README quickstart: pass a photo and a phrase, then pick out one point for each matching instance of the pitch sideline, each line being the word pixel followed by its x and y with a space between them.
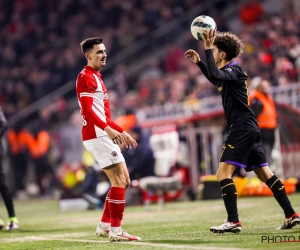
pixel 161 245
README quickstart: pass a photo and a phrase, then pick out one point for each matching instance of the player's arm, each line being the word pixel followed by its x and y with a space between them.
pixel 85 91
pixel 204 70
pixel 115 126
pixel 129 141
pixel 86 103
pixel 213 71
pixel 195 58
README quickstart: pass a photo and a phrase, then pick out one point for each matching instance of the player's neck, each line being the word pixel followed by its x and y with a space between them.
pixel 94 67
pixel 223 63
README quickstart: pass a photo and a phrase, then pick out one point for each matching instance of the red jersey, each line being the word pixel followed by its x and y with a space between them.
pixel 93 102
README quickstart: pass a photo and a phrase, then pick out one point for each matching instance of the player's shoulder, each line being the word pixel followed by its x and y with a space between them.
pixel 86 79
pixel 237 69
pixel 85 75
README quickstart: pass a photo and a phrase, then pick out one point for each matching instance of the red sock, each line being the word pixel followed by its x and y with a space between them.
pixel 116 205
pixel 106 211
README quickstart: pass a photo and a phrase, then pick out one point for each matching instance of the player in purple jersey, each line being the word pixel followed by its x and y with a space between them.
pixel 243 145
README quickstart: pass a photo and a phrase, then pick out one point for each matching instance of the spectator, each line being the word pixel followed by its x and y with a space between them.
pixel 127 121
pixel 263 106
pixel 172 58
pixel 250 12
pixel 38 143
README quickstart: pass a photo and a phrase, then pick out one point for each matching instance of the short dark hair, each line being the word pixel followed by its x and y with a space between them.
pixel 229 43
pixel 89 43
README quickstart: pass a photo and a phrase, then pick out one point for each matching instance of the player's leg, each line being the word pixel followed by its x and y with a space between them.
pixel 291 217
pixel 235 153
pixel 111 160
pixel 260 166
pixel 104 157
pixel 103 227
pixel 13 222
pixel 119 178
pixel 229 195
pixel 228 189
pixel 116 199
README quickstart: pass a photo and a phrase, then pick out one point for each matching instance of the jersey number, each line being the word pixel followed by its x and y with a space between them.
pixel 84 122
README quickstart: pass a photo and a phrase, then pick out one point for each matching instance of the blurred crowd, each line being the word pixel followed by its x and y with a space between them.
pixel 272 48
pixel 40 39
pixel 40 52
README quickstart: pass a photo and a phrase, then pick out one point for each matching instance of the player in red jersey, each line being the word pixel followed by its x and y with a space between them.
pixel 102 137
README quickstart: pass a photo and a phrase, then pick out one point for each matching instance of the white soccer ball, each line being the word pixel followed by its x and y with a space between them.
pixel 201 24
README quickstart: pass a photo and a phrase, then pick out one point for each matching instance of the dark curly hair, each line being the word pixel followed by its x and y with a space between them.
pixel 230 44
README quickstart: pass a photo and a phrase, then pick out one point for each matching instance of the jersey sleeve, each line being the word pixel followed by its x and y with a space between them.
pixel 214 73
pixel 204 70
pixel 115 126
pixel 85 91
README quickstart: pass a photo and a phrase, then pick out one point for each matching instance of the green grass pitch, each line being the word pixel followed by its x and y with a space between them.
pixel 178 225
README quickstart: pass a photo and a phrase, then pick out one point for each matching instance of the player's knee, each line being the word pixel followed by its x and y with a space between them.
pixel 220 176
pixel 263 174
pixel 262 177
pixel 120 181
pixel 128 181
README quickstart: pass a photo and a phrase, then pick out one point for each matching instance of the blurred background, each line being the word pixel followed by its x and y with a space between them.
pixel 158 96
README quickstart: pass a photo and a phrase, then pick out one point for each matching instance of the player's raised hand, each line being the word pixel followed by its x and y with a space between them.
pixel 114 135
pixel 193 55
pixel 209 38
pixel 129 141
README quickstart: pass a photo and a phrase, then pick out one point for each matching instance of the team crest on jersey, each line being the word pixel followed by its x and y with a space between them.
pixel 228 69
pixel 114 154
pixel 100 95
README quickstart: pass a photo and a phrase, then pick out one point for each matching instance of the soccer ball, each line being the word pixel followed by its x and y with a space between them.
pixel 201 24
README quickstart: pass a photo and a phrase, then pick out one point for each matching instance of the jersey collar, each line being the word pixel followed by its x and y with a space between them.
pixel 230 64
pixel 93 70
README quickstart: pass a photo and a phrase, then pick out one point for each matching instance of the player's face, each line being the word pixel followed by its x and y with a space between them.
pixel 97 56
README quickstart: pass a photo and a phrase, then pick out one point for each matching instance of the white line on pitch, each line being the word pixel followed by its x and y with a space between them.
pixel 161 245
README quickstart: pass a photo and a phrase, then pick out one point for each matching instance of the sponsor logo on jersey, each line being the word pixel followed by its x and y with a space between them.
pixel 100 95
